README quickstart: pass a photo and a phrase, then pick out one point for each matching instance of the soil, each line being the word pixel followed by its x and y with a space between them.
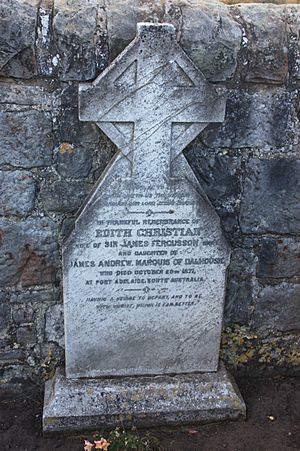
pixel 273 423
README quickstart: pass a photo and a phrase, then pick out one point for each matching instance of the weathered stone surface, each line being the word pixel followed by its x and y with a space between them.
pixel 26 335
pixel 210 37
pixel 261 351
pixel 43 295
pixel 230 223
pixel 79 39
pixel 278 258
pixel 238 301
pixel 240 287
pixel 73 161
pixel 218 174
pixel 17 38
pixel 16 372
pixel 12 356
pixel 145 237
pixel 17 193
pixel 277 307
pixel 264 44
pixel 28 254
pixel 243 262
pixel 219 178
pixel 45 55
pixel 293 26
pixel 23 315
pixel 71 404
pixel 208 34
pixel 63 196
pixel 54 327
pixel 26 138
pixel 136 11
pixel 4 314
pixel 66 227
pixel 270 199
pixel 102 158
pixel 262 119
pixel 14 95
pixel 254 118
pixel 70 130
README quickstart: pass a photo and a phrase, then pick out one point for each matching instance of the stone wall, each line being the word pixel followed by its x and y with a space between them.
pixel 249 166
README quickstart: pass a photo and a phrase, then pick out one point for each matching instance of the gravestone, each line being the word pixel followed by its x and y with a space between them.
pixel 144 267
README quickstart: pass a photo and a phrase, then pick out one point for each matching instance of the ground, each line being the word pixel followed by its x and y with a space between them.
pixel 273 423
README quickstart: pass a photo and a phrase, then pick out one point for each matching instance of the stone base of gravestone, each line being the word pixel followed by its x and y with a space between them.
pixel 144 401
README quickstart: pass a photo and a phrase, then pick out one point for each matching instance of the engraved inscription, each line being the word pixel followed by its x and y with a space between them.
pixel 144 267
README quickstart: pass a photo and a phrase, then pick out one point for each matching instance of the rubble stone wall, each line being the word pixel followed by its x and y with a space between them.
pixel 249 166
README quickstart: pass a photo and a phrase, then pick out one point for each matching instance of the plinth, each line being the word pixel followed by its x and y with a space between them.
pixel 150 401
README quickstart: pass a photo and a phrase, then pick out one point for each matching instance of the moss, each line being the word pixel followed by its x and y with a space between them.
pixel 66 148
pixel 242 347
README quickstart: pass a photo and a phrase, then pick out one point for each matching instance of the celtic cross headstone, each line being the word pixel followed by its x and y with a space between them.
pixel 144 267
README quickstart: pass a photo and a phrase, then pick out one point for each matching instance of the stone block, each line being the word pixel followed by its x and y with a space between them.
pixel 270 198
pixel 264 54
pixel 238 301
pixel 70 130
pixel 210 37
pixel 73 161
pixel 17 193
pixel 217 174
pixel 261 352
pixel 278 258
pixel 79 39
pixel 67 226
pixel 29 254
pixel 12 356
pixel 64 196
pixel 4 314
pixel 25 95
pixel 44 39
pixel 44 295
pixel 23 314
pixel 26 138
pixel 4 341
pixel 26 335
pixel 277 308
pixel 14 372
pixel 54 325
pixel 136 11
pixel 260 117
pixel 230 224
pixel 293 28
pixel 106 151
pixel 242 262
pixel 74 404
pixel 17 38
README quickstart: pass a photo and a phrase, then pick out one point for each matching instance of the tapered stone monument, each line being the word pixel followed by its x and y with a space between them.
pixel 144 267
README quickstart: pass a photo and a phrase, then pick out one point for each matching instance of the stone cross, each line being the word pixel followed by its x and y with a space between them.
pixel 152 99
pixel 144 267
pixel 146 259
